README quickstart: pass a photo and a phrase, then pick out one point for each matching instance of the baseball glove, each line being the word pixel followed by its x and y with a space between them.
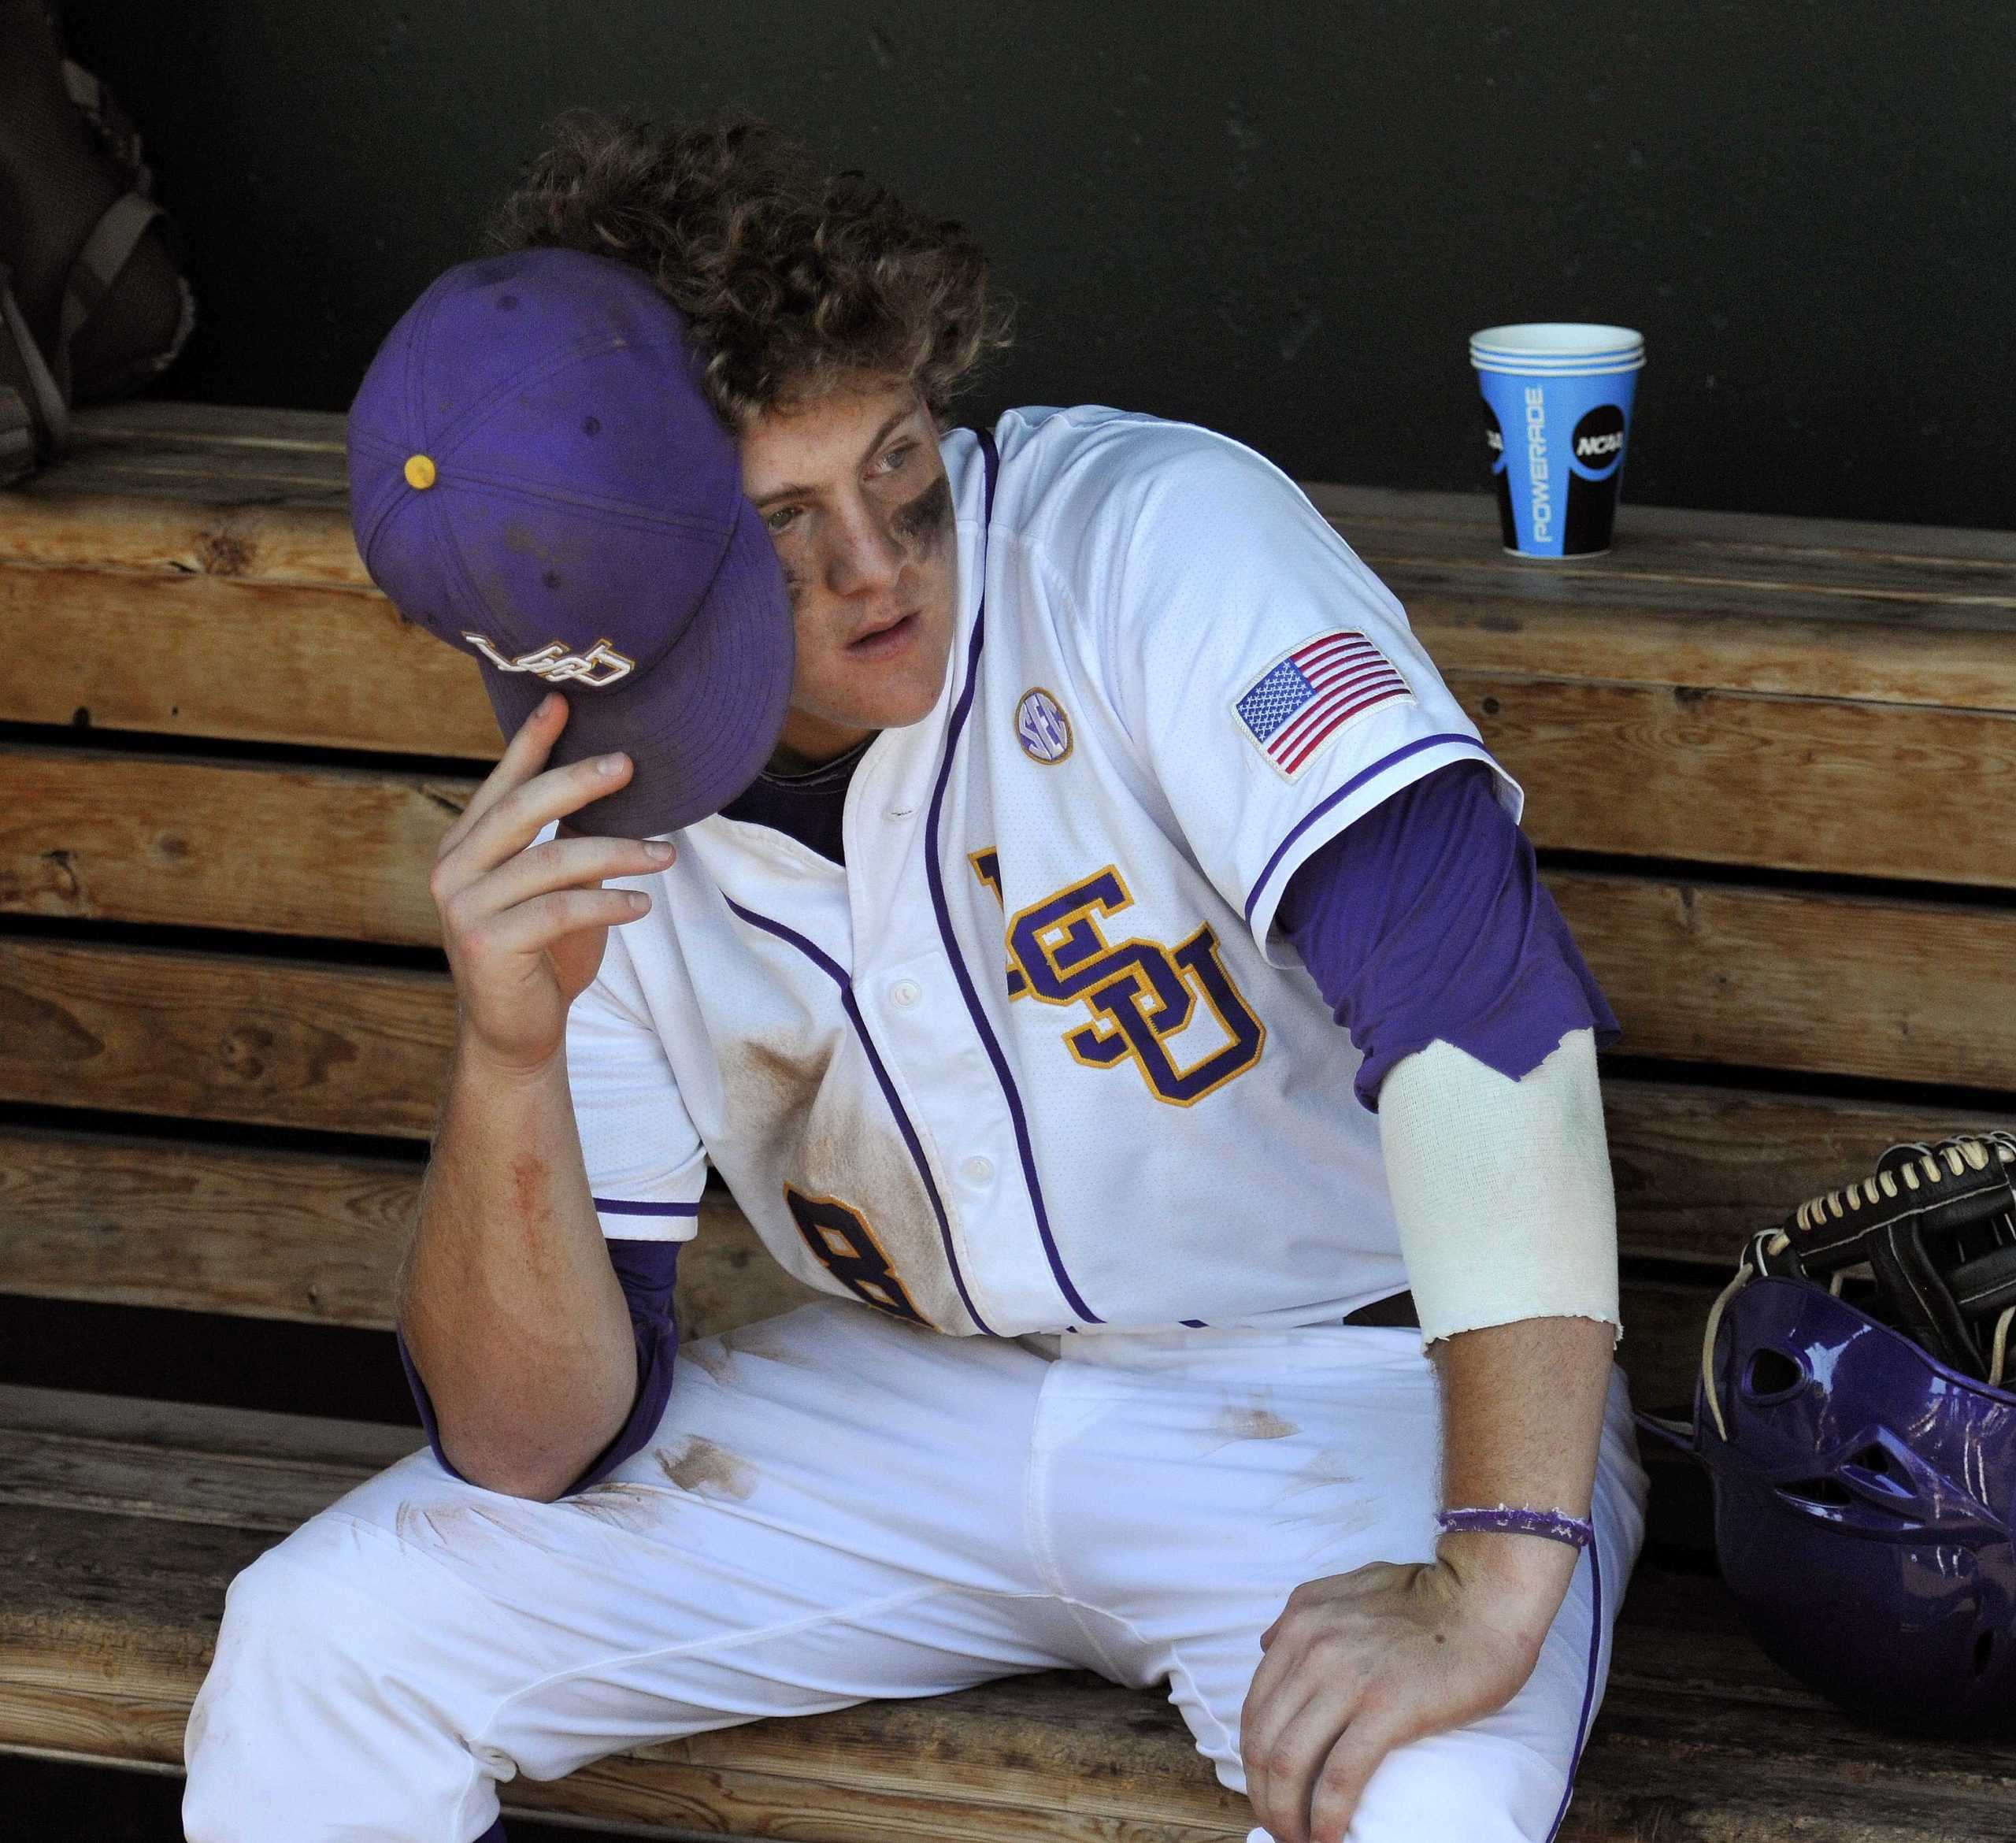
pixel 1925 1244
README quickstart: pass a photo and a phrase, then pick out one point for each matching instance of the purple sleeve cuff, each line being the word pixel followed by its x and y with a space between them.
pixel 1427 918
pixel 646 1270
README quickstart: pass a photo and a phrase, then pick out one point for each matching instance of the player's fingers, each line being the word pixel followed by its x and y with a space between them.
pixel 515 818
pixel 1282 1763
pixel 1341 1782
pixel 524 756
pixel 531 927
pixel 1280 1652
pixel 558 863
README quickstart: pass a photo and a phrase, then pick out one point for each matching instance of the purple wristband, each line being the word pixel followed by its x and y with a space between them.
pixel 1557 1525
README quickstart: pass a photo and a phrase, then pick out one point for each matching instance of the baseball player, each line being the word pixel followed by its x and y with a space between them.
pixel 1037 870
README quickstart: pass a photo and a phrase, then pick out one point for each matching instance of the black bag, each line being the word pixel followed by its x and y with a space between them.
pixel 94 299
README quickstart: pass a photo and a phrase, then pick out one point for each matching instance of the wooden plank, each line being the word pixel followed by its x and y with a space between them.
pixel 1660 1351
pixel 1693 1773
pixel 159 1470
pixel 308 1237
pixel 189 1429
pixel 219 1036
pixel 69 1472
pixel 109 1619
pixel 164 522
pixel 1699 1736
pixel 1855 789
pixel 1861 654
pixel 96 834
pixel 1860 789
pixel 1840 985
pixel 113 441
pixel 1669 532
pixel 664 1798
pixel 204 655
pixel 1703 973
pixel 218 456
pixel 321 659
pixel 1825 608
pixel 315 1237
pixel 1699 1169
pixel 215 426
pixel 120 1220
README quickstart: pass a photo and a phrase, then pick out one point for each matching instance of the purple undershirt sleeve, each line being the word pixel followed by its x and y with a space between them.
pixel 1427 918
pixel 646 1270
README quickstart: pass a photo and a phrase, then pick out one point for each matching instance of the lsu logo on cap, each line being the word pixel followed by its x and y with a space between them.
pixel 554 663
pixel 1042 727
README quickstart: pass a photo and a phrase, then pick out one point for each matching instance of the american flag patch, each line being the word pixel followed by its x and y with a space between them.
pixel 1300 702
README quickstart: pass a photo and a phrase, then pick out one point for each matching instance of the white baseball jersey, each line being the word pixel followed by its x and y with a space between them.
pixel 1036 1058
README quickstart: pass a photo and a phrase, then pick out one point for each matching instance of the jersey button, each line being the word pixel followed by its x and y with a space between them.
pixel 978 1170
pixel 905 992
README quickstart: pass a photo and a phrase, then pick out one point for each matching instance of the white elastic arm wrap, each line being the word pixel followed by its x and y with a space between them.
pixel 1502 1188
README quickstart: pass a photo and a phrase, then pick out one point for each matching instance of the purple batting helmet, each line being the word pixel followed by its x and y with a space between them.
pixel 1861 1445
pixel 537 477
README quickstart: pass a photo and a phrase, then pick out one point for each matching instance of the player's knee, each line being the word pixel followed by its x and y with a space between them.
pixel 318 1698
pixel 285 1634
pixel 1484 1788
pixel 312 1630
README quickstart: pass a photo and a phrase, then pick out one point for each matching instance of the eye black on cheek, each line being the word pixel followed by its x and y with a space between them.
pixel 928 517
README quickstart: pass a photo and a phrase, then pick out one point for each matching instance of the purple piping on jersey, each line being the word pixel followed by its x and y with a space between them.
pixel 610 1207
pixel 1350 787
pixel 838 973
pixel 1589 1683
pixel 936 878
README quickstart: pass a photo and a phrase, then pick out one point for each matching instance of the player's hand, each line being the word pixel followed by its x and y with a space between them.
pixel 525 930
pixel 1359 1664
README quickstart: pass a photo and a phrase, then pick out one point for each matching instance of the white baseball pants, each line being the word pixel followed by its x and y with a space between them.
pixel 838 1506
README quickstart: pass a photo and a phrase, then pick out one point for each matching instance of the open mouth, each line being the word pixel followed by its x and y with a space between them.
pixel 888 639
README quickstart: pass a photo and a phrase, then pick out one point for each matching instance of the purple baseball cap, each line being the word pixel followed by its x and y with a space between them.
pixel 536 476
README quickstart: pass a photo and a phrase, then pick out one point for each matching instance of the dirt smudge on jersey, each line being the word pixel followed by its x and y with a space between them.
pixel 474 1532
pixel 713 1356
pixel 636 1508
pixel 1327 1497
pixel 774 1082
pixel 761 1340
pixel 836 1140
pixel 1256 1422
pixel 699 1463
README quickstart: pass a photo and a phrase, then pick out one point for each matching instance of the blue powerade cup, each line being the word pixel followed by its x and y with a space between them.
pixel 1558 409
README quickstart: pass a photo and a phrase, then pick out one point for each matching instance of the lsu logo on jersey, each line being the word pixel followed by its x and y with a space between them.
pixel 1151 1006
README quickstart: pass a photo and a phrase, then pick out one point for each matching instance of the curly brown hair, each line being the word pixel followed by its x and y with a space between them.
pixel 793 282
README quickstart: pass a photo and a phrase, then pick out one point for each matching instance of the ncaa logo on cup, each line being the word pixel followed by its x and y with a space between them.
pixel 1598 445
pixel 1042 727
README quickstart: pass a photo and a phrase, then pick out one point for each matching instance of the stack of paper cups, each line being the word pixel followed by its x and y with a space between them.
pixel 1558 407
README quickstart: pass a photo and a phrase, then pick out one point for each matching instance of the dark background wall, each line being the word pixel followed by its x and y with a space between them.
pixel 1281 219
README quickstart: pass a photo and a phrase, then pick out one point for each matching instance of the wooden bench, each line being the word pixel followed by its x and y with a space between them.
pixel 1771 768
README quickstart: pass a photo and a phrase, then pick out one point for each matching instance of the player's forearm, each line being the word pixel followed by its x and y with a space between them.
pixel 509 1308
pixel 1522 1415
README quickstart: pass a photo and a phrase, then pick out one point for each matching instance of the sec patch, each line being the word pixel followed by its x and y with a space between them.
pixel 1042 727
